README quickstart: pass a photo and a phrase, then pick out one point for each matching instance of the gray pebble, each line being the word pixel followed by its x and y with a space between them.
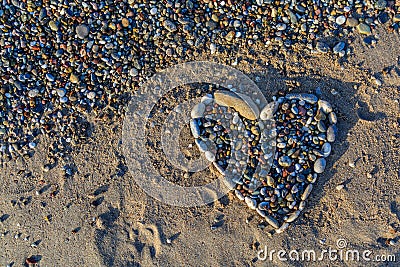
pixel 251 202
pixel 339 47
pixel 293 216
pixel 331 133
pixel 319 165
pixel 326 149
pixel 50 77
pixel 272 221
pixel 340 20
pixel 284 161
pixel 209 156
pixel 282 228
pixel 169 25
pixel 307 192
pixel 82 31
pixel 332 117
pixel 310 98
pixel 198 110
pixel 195 129
pixel 201 145
pixel 325 106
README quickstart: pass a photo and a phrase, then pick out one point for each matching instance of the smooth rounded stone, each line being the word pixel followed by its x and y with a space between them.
pixel 325 106
pixel 73 78
pixel 339 47
pixel 262 213
pixel 53 25
pixel 169 25
pixel 133 72
pixel 302 205
pixel 125 22
pixel 213 48
pixel 64 99
pixel 194 128
pixel 380 4
pixel 332 118
pixel 153 11
pixel 319 165
pixel 61 92
pixel 207 100
pixel 364 29
pixel 310 98
pixel 352 22
pixel 201 145
pixel 229 37
pixel 326 149
pixel 293 216
pixel 209 156
pixel 239 195
pixel 340 20
pixel 267 113
pixel 50 77
pixel 284 161
pixel 32 145
pixel 82 31
pixel 235 119
pixel 251 203
pixel 91 95
pixel 331 133
pixel 307 192
pixel 33 93
pixel 271 221
pixel 321 127
pixel 222 172
pixel 198 110
pixel 322 47
pixel 243 104
pixel 281 26
pixel 282 228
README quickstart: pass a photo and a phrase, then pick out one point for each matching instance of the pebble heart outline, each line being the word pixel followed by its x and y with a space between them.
pixel 279 191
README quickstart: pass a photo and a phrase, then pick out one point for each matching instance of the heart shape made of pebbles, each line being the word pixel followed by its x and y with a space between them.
pixel 270 156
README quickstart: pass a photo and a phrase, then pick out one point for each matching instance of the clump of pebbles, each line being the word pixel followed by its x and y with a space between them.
pixel 271 161
pixel 60 61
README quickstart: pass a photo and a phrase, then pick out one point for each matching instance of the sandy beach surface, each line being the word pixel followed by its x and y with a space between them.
pixel 99 216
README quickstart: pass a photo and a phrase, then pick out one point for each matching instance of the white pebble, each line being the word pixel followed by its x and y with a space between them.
pixel 153 11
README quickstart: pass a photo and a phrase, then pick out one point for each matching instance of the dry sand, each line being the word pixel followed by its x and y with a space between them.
pixel 100 217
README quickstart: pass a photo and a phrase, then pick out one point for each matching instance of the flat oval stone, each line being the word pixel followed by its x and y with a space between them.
pixel 319 165
pixel 325 106
pixel 364 29
pixel 293 216
pixel 195 129
pixel 267 113
pixel 272 221
pixel 340 20
pixel 82 31
pixel 331 133
pixel 251 203
pixel 201 145
pixel 310 98
pixel 307 192
pixel 198 111
pixel 332 117
pixel 326 149
pixel 209 156
pixel 243 104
